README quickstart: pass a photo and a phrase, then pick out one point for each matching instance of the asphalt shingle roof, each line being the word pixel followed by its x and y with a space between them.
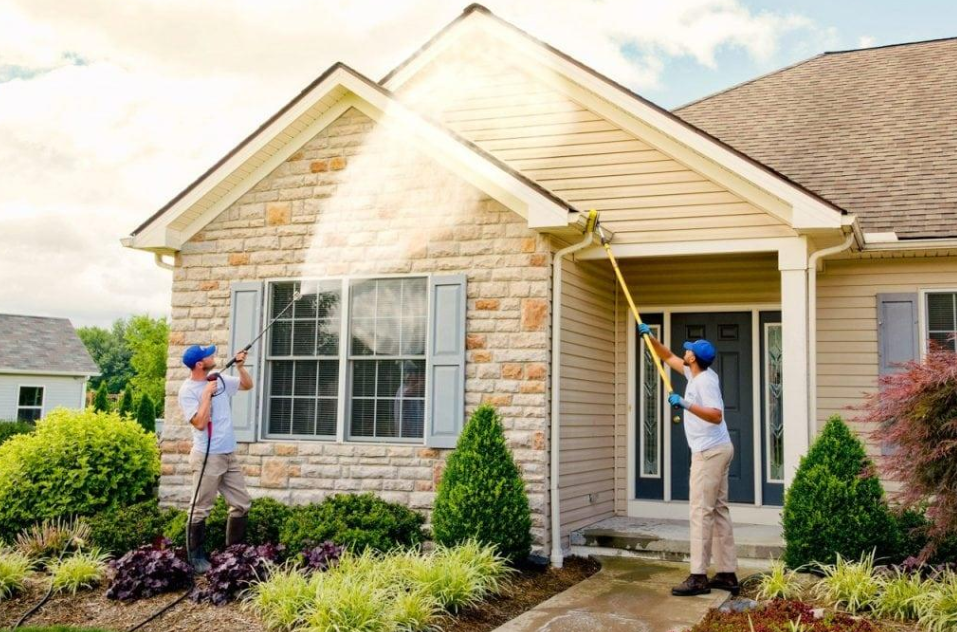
pixel 872 130
pixel 36 343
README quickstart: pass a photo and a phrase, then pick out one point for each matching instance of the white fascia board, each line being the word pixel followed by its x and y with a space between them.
pixel 808 213
pixel 15 371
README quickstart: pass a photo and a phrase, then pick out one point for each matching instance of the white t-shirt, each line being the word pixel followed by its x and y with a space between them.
pixel 190 395
pixel 704 390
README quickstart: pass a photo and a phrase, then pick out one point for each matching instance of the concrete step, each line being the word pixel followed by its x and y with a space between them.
pixel 670 540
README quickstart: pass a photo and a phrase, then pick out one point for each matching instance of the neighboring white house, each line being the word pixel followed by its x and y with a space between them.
pixel 43 364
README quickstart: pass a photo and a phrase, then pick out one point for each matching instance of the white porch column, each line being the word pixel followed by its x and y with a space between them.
pixel 792 262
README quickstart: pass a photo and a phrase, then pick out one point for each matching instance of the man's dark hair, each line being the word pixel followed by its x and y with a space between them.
pixel 701 363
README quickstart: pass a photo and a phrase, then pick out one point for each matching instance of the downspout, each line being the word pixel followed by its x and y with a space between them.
pixel 158 260
pixel 812 324
pixel 557 558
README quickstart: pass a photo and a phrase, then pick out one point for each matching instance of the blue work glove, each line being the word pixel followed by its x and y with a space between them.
pixel 677 400
pixel 644 330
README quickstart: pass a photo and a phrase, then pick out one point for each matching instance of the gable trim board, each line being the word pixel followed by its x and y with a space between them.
pixel 337 90
pixel 804 210
pixel 14 371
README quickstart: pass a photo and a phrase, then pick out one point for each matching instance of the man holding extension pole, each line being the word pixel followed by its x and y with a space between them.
pixel 204 400
pixel 711 455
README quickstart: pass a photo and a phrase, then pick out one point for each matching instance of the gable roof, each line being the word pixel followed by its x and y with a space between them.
pixel 874 130
pixel 40 345
pixel 318 105
pixel 811 210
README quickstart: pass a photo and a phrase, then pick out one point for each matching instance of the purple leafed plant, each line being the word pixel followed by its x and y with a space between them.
pixel 234 569
pixel 323 557
pixel 147 571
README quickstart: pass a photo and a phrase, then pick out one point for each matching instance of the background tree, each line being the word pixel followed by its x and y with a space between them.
pixel 126 402
pixel 111 353
pixel 146 414
pixel 101 400
pixel 147 339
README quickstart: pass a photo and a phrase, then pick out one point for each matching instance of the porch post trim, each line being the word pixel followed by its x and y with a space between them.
pixel 792 263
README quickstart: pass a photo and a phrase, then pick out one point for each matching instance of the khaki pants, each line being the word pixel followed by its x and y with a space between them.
pixel 711 530
pixel 224 475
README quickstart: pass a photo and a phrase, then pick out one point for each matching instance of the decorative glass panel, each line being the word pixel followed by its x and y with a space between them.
pixel 303 363
pixel 388 319
pixel 650 412
pixel 774 402
pixel 942 318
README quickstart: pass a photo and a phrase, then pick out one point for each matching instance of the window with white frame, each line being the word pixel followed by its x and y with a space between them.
pixel 942 319
pixel 30 403
pixel 650 411
pixel 382 362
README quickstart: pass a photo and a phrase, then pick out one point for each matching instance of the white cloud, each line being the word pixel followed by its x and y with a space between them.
pixel 113 107
pixel 866 41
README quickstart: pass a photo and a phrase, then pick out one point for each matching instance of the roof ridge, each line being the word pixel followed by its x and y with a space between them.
pixel 898 44
pixel 35 316
pixel 748 81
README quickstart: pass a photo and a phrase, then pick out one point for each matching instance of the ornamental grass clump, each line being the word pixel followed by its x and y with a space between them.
pixel 899 597
pixel 281 600
pixel 83 569
pixel 349 602
pixel 51 539
pixel 915 410
pixel 779 583
pixel 848 584
pixel 937 607
pixel 482 494
pixel 14 568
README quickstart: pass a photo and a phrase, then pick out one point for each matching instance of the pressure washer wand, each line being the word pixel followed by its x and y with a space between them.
pixel 606 243
pixel 212 377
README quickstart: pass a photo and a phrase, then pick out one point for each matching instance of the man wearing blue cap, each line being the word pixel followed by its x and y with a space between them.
pixel 711 455
pixel 205 405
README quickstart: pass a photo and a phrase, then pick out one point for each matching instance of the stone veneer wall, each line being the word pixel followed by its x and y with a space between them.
pixel 357 194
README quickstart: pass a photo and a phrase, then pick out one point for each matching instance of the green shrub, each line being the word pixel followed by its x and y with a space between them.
pixel 14 568
pixel 126 402
pixel 101 399
pixel 482 494
pixel 836 504
pixel 10 428
pixel 146 414
pixel 266 519
pixel 83 569
pixel 357 521
pixel 123 529
pixel 912 527
pixel 76 463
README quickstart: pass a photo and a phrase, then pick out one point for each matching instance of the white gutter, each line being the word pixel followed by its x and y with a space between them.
pixel 557 557
pixel 812 324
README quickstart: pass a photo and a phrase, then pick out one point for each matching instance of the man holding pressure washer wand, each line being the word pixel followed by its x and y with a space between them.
pixel 205 401
pixel 711 455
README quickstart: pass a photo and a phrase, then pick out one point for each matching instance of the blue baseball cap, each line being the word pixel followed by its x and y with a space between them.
pixel 197 353
pixel 702 349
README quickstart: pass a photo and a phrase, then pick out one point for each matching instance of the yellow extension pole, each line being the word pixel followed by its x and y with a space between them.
pixel 634 310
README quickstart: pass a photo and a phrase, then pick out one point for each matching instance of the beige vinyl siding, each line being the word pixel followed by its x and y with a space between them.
pixel 847 355
pixel 587 451
pixel 738 282
pixel 583 158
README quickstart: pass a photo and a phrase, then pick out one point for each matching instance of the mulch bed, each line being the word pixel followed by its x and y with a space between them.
pixel 531 586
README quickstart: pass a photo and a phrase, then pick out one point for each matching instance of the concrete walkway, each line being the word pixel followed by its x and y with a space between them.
pixel 626 595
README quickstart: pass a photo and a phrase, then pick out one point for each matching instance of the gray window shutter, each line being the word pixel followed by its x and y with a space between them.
pixel 897 331
pixel 897 337
pixel 245 320
pixel 446 401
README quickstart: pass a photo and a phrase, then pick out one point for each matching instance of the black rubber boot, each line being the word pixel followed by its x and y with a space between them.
pixel 197 555
pixel 236 530
pixel 694 585
pixel 726 581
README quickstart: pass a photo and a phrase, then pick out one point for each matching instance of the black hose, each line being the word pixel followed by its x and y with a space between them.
pixel 189 522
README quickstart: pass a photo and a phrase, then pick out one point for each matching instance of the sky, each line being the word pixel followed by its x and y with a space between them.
pixel 108 109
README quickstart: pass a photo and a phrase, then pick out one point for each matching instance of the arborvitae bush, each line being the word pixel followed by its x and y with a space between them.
pixel 126 402
pixel 146 414
pixel 101 400
pixel 482 494
pixel 836 504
